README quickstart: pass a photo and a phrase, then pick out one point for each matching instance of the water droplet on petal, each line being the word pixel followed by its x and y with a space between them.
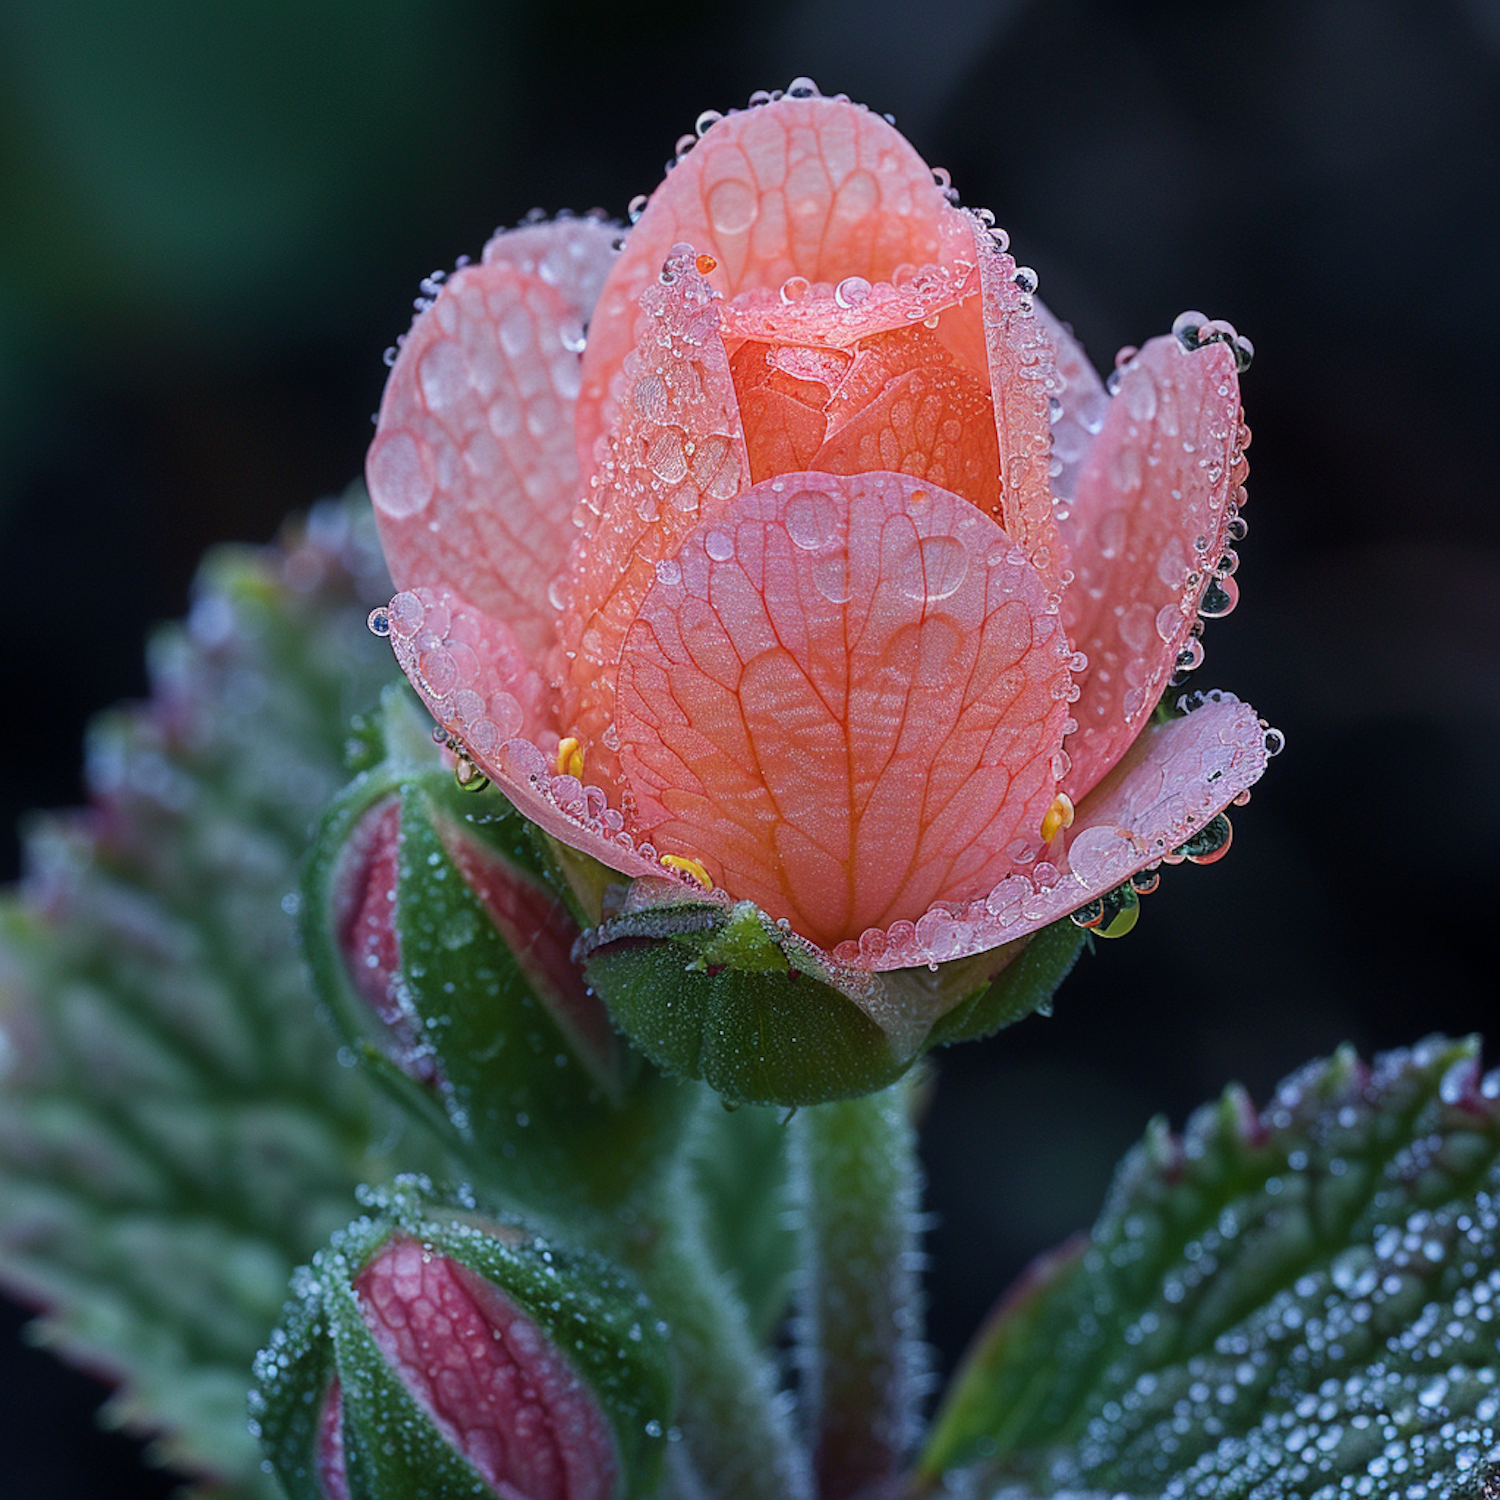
pixel 1219 598
pixel 379 621
pixel 637 207
pixel 852 291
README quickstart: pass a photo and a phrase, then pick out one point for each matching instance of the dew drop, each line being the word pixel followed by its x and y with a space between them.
pixel 1275 742
pixel 1026 280
pixel 637 207
pixel 852 291
pixel 1187 328
pixel 830 576
pixel 719 545
pixel 706 121
pixel 668 570
pixel 1219 598
pixel 794 289
pixel 379 621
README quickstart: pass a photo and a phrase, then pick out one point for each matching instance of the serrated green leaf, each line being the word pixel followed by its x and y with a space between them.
pixel 1297 1302
pixel 175 1132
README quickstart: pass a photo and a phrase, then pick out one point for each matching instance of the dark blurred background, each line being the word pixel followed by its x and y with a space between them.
pixel 213 218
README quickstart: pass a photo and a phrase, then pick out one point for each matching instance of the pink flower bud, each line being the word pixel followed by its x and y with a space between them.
pixel 364 915
pixel 491 1381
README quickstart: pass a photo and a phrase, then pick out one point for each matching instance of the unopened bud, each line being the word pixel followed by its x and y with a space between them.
pixel 442 939
pixel 433 1353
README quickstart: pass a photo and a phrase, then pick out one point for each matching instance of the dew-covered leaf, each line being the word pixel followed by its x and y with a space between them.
pixel 175 1132
pixel 1294 1302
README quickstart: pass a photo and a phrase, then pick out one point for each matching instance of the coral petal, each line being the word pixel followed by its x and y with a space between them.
pixel 677 450
pixel 846 701
pixel 573 256
pixel 491 1381
pixel 473 471
pixel 479 686
pixel 1171 782
pixel 1023 375
pixel 1144 530
pixel 908 405
pixel 819 188
pixel 1083 402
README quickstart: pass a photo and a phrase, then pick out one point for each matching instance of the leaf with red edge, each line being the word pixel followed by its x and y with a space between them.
pixel 1294 1301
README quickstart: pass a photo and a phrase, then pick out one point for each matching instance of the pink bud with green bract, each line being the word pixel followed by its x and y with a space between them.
pixel 821 571
pixel 435 1352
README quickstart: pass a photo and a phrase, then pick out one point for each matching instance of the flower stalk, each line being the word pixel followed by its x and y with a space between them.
pixel 857 1193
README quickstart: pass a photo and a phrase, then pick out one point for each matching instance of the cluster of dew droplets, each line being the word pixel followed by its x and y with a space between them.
pixel 1193 331
pixel 1357 1364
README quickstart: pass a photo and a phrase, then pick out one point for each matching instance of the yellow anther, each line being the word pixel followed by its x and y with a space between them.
pixel 569 757
pixel 689 867
pixel 1058 816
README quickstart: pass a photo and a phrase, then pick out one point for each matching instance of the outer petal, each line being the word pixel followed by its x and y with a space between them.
pixel 677 450
pixel 814 187
pixel 1079 414
pixel 479 686
pixel 573 256
pixel 845 697
pixel 473 470
pixel 1173 780
pixel 1145 528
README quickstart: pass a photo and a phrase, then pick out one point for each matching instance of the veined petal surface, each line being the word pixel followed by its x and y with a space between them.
pixel 845 697
pixel 1175 778
pixel 677 449
pixel 479 685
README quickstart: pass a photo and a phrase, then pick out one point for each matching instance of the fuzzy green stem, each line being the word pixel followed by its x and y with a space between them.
pixel 856 1186
pixel 736 1424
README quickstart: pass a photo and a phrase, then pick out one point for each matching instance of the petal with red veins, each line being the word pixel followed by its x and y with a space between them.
pixel 1082 403
pixel 908 405
pixel 1023 375
pixel 1171 783
pixel 846 701
pixel 677 451
pixel 469 671
pixel 489 1378
pixel 473 471
pixel 573 256
pixel 1144 530
pixel 818 188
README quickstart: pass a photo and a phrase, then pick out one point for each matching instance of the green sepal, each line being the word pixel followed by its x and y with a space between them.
pixel 1025 985
pixel 589 1309
pixel 559 1118
pixel 723 993
pixel 1293 1301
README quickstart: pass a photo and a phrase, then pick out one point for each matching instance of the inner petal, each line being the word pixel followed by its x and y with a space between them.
pixel 897 399
pixel 846 701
